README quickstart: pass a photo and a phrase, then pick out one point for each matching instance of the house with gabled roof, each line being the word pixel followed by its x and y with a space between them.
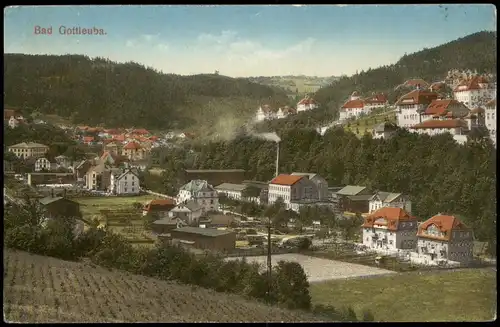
pixel 133 151
pixel 160 207
pixel 388 199
pixel 125 183
pixel 203 193
pixel 284 112
pixel 475 91
pixel 189 212
pixel 231 191
pixel 354 198
pixel 444 239
pixel 390 229
pixel 291 188
pixel 306 104
pixel 355 105
pixel 410 106
pixel 320 182
pixel 265 112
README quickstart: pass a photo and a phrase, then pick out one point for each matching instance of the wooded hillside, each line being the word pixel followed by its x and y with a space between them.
pixel 98 91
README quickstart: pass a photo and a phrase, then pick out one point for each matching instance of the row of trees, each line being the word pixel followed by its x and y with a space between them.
pixel 26 229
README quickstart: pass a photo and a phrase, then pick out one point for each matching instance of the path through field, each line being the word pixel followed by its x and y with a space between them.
pixel 318 269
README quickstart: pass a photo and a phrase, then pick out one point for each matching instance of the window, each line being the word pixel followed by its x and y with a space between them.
pixel 211 201
pixel 125 189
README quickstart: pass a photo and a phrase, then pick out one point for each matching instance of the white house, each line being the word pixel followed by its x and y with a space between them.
pixel 306 104
pixel 390 229
pixel 410 106
pixel 189 212
pixel 42 164
pixel 387 199
pixel 126 183
pixel 475 92
pixel 444 238
pixel 491 121
pixel 265 112
pixel 375 101
pixel 352 109
pixel 232 191
pixel 291 188
pixel 356 106
pixel 438 126
pixel 203 193
pixel 285 112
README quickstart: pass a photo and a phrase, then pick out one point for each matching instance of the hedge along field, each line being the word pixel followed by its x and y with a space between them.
pixel 44 290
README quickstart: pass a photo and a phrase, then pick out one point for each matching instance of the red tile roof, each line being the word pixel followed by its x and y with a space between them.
pixel 437 86
pixel 88 139
pixel 132 146
pixel 391 215
pixel 285 179
pixel 471 84
pixel 7 113
pixel 444 223
pixel 439 107
pixel 120 137
pixel 353 104
pixel 376 99
pixel 417 97
pixel 160 205
pixel 447 123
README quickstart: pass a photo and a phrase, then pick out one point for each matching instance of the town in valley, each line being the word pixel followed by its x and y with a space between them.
pixel 239 187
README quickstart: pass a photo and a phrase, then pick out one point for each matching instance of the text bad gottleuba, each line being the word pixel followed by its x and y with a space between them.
pixel 66 30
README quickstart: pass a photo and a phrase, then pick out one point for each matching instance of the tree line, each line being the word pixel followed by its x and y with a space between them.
pixel 437 174
pixel 26 229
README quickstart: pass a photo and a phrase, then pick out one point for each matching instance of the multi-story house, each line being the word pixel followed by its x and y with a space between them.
pixel 159 207
pixel 285 112
pixel 475 118
pixel 410 106
pixel 231 191
pixel 390 229
pixel 475 92
pixel 306 104
pixel 133 151
pixel 44 164
pixel 491 121
pixel 63 161
pixel 189 212
pixel 265 112
pixel 97 178
pixel 320 182
pixel 444 108
pixel 291 188
pixel 29 149
pixel 125 183
pixel 444 238
pixel 387 199
pixel 113 147
pixel 203 193
pixel 356 106
pixel 456 127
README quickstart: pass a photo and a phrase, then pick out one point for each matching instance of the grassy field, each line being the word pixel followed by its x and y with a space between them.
pixel 41 289
pixel 92 206
pixel 367 123
pixel 461 295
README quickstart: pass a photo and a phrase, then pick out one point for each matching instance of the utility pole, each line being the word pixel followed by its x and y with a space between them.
pixel 269 263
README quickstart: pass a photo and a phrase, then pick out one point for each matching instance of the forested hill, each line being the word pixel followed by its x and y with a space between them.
pixel 475 52
pixel 94 91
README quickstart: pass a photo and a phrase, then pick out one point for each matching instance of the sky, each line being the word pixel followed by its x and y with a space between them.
pixel 239 41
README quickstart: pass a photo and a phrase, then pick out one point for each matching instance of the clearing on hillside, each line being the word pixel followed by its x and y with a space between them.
pixel 91 206
pixel 40 289
pixel 459 295
pixel 318 269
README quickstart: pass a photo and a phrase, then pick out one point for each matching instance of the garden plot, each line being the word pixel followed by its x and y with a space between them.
pixel 318 269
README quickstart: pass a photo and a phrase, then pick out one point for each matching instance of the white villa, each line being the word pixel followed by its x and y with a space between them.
pixel 189 212
pixel 291 188
pixel 387 199
pixel 390 229
pixel 265 112
pixel 203 193
pixel 285 112
pixel 306 104
pixel 356 106
pixel 442 239
pixel 125 183
pixel 411 105
pixel 475 92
